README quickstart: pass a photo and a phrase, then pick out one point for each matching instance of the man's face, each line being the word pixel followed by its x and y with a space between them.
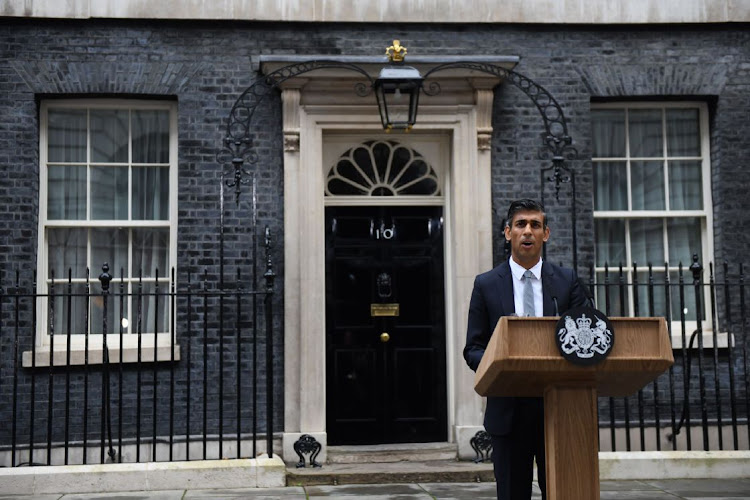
pixel 527 235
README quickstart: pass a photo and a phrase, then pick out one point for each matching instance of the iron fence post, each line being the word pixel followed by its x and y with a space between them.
pixel 697 269
pixel 269 277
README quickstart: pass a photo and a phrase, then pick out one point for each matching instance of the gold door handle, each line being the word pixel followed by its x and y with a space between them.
pixel 384 337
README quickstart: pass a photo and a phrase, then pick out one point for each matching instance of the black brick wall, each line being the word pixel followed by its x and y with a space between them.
pixel 205 66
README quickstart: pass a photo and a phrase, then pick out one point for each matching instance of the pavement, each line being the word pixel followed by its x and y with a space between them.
pixel 674 489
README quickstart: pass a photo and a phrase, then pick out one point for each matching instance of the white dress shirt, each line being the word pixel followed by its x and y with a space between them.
pixel 536 285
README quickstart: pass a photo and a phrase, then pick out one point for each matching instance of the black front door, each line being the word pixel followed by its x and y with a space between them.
pixel 385 325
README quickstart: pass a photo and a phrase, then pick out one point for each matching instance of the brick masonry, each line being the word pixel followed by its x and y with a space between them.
pixel 205 66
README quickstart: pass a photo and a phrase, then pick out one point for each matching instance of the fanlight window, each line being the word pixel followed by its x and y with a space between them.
pixel 382 168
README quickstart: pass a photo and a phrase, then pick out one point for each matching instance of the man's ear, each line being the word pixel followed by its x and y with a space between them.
pixel 546 233
pixel 507 233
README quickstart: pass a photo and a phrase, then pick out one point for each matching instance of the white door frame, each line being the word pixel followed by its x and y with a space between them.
pixel 468 244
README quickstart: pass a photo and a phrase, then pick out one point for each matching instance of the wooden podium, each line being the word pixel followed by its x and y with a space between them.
pixel 522 359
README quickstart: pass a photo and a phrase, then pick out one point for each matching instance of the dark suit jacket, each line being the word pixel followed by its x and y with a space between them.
pixel 492 298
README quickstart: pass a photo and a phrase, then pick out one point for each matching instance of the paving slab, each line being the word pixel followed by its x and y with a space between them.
pixel 369 492
pixel 626 485
pixel 676 489
pixel 288 493
pixel 130 495
pixel 30 497
pixel 637 495
pixel 461 491
pixel 704 488
pixel 631 490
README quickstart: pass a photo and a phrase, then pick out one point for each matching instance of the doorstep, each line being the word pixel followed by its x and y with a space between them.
pixel 432 471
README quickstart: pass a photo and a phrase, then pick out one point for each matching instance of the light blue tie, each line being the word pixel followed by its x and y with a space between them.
pixel 528 294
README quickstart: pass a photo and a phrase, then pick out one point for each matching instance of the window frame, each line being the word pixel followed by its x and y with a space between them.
pixel 149 340
pixel 705 214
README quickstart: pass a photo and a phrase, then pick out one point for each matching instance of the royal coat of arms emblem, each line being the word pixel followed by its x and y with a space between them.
pixel 584 336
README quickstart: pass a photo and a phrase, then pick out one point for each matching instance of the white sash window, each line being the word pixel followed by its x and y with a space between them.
pixel 107 194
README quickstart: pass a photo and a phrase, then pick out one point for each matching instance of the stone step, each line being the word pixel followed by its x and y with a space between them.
pixel 432 471
pixel 384 453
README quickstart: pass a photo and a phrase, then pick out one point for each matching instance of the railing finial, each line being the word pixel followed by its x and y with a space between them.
pixel 696 268
pixel 105 277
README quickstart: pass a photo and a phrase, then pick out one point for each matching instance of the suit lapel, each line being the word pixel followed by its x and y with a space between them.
pixel 548 305
pixel 505 288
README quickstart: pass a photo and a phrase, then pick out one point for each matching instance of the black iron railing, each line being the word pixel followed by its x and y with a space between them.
pixel 704 397
pixel 174 371
pixel 196 383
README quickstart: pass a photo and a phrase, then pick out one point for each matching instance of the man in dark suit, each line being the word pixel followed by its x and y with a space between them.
pixel 521 286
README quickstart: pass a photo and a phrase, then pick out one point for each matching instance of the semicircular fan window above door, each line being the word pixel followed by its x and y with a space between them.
pixel 382 168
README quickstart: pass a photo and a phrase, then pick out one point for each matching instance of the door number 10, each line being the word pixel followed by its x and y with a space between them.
pixel 383 232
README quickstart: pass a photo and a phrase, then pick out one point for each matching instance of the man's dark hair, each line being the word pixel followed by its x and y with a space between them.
pixel 524 204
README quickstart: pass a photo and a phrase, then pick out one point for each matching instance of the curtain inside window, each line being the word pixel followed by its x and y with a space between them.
pixel 685 185
pixel 610 242
pixel 109 136
pixel 151 259
pixel 645 133
pixel 150 136
pixel 66 136
pixel 150 193
pixel 66 192
pixel 124 175
pixel 608 133
pixel 610 186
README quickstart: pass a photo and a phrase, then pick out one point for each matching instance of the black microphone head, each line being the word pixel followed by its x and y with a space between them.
pixel 586 291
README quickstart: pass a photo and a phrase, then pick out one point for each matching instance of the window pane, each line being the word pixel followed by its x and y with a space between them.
pixel 684 237
pixel 150 252
pixel 109 135
pixel 683 132
pixel 648 292
pixel 109 245
pixel 610 242
pixel 67 311
pixel 109 193
pixel 688 305
pixel 645 130
pixel 381 154
pixel 610 296
pixel 647 241
pixel 67 250
pixel 150 193
pixel 149 308
pixel 66 136
pixel 610 186
pixel 685 188
pixel 647 185
pixel 66 193
pixel 113 311
pixel 608 133
pixel 150 136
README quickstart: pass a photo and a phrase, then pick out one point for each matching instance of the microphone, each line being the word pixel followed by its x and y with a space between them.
pixel 586 292
pixel 554 297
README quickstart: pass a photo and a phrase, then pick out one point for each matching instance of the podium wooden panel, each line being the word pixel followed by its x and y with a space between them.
pixel 522 359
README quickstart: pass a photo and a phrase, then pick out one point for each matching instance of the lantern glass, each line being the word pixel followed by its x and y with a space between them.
pixel 397 90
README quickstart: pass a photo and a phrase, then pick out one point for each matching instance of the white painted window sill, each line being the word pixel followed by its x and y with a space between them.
pixel 95 356
pixel 722 340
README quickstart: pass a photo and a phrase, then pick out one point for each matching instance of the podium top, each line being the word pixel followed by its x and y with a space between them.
pixel 522 358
